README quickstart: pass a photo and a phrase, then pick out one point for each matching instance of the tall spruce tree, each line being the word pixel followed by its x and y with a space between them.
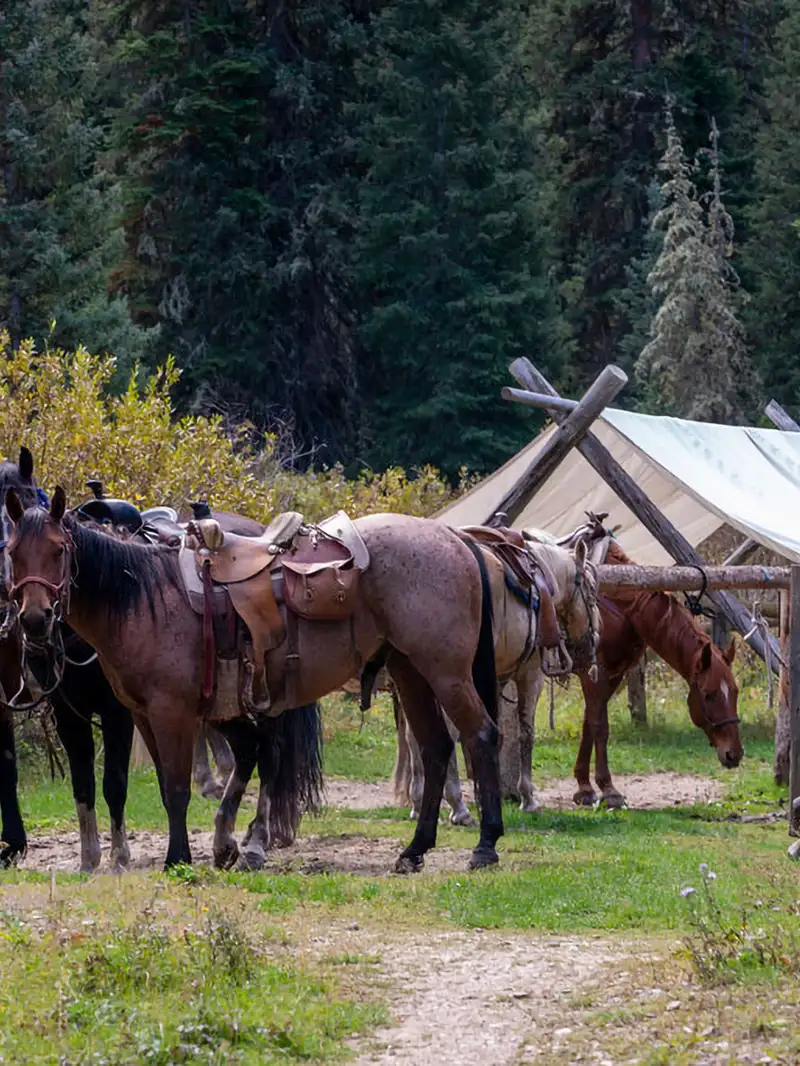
pixel 772 255
pixel 696 363
pixel 448 264
pixel 234 146
pixel 60 226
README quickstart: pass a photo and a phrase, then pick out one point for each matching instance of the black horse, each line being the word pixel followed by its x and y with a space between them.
pixel 286 750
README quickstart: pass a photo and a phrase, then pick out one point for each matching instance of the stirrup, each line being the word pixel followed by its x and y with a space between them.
pixel 563 665
pixel 249 705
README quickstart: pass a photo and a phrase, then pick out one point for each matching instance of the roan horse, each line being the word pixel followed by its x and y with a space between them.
pixel 426 593
pixel 519 658
pixel 286 750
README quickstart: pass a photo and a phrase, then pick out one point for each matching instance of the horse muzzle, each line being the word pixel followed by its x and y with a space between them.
pixel 37 623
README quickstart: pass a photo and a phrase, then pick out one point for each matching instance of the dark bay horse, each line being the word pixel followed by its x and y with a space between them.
pixel 287 752
pixel 426 594
pixel 633 620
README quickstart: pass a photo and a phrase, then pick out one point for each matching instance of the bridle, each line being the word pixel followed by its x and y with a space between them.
pixel 586 644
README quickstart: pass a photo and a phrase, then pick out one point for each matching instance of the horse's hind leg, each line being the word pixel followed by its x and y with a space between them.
pixel 416 785
pixel 585 796
pixel 401 775
pixel 202 776
pixel 459 811
pixel 243 737
pixel 75 732
pixel 436 745
pixel 116 724
pixel 529 689
pixel 609 795
pixel 221 751
pixel 13 842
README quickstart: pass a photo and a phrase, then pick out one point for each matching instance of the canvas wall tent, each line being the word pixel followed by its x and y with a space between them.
pixel 700 476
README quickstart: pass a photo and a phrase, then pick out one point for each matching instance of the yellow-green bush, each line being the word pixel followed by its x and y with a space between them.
pixel 57 404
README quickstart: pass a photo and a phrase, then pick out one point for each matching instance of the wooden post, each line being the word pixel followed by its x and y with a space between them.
pixel 574 427
pixel 645 510
pixel 782 729
pixel 776 414
pixel 685 578
pixel 637 692
pixel 742 553
pixel 794 705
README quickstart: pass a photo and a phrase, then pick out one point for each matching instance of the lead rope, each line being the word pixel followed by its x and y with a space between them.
pixel 552 705
pixel 761 626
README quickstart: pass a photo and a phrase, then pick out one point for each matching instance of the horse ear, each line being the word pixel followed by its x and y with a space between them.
pixel 581 555
pixel 14 508
pixel 25 464
pixel 704 659
pixel 59 504
pixel 730 653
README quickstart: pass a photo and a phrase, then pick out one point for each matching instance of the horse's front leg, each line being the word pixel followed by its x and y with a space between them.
pixel 173 725
pixel 243 738
pixel 13 842
pixel 75 733
pixel 529 689
pixel 610 796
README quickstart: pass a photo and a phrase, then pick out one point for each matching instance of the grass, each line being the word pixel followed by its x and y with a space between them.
pixel 577 872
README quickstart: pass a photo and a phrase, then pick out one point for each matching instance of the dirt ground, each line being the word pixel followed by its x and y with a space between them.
pixel 356 854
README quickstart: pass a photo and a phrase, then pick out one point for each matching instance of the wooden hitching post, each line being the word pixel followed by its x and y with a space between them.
pixel 782 728
pixel 794 705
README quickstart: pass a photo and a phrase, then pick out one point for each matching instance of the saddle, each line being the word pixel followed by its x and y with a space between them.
pixel 310 570
pixel 514 553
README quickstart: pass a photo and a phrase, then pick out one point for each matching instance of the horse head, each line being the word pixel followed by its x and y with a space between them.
pixel 713 696
pixel 38 563
pixel 575 598
pixel 19 477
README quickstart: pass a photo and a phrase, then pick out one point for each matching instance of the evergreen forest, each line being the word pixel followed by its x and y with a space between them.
pixel 344 218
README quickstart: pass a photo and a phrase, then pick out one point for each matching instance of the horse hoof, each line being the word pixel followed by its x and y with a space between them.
pixel 463 818
pixel 585 799
pixel 413 815
pixel 409 864
pixel 614 801
pixel 11 854
pixel 225 859
pixel 283 840
pixel 532 806
pixel 250 861
pixel 483 857
pixel 212 791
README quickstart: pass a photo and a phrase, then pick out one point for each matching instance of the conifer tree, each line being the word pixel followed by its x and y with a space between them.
pixel 696 363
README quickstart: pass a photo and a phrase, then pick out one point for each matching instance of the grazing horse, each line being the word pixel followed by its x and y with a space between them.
pixel 518 657
pixel 426 593
pixel 633 620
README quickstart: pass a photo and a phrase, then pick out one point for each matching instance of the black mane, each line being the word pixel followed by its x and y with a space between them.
pixel 111 573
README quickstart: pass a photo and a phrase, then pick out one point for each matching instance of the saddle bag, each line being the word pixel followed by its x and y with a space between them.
pixel 320 580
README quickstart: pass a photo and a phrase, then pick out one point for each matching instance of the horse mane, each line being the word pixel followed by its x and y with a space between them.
pixel 115 572
pixel 661 621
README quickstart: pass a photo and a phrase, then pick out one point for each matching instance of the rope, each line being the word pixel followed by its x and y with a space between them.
pixel 552 705
pixel 695 603
pixel 761 626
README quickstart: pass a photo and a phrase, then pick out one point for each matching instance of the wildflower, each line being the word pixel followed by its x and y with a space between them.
pixel 688 891
pixel 703 868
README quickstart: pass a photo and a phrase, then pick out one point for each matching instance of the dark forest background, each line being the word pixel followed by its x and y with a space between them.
pixel 346 217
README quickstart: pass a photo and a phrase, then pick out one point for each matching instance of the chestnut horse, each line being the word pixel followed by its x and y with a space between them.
pixel 633 620
pixel 426 593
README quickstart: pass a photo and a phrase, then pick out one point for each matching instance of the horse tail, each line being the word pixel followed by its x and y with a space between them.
pixel 484 676
pixel 369 675
pixel 290 764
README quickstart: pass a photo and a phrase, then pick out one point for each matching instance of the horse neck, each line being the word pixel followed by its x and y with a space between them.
pixel 668 628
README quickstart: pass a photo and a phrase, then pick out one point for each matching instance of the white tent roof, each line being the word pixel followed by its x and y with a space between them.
pixel 699 475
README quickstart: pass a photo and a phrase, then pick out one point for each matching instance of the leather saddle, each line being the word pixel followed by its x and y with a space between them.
pixel 513 552
pixel 312 570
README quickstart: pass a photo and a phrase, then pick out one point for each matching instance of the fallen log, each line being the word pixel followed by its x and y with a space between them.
pixel 691 579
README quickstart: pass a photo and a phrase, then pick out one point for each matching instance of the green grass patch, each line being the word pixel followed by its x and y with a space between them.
pixel 176 982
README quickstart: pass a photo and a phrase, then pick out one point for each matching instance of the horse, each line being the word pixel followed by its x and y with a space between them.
pixel 518 659
pixel 633 620
pixel 84 695
pixel 426 594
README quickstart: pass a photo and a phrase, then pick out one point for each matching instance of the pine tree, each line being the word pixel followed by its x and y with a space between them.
pixel 60 230
pixel 696 363
pixel 448 264
pixel 772 255
pixel 234 150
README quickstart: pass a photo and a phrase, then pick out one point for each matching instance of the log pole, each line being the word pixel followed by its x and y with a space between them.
pixel 687 579
pixel 794 705
pixel 782 718
pixel 572 429
pixel 637 692
pixel 643 507
pixel 776 414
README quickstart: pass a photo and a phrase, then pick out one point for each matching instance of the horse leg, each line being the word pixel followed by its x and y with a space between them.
pixel 401 775
pixel 416 785
pixel 610 796
pixel 13 842
pixel 529 689
pixel 221 751
pixel 172 727
pixel 75 732
pixel 459 811
pixel 586 795
pixel 436 745
pixel 242 736
pixel 116 724
pixel 202 776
